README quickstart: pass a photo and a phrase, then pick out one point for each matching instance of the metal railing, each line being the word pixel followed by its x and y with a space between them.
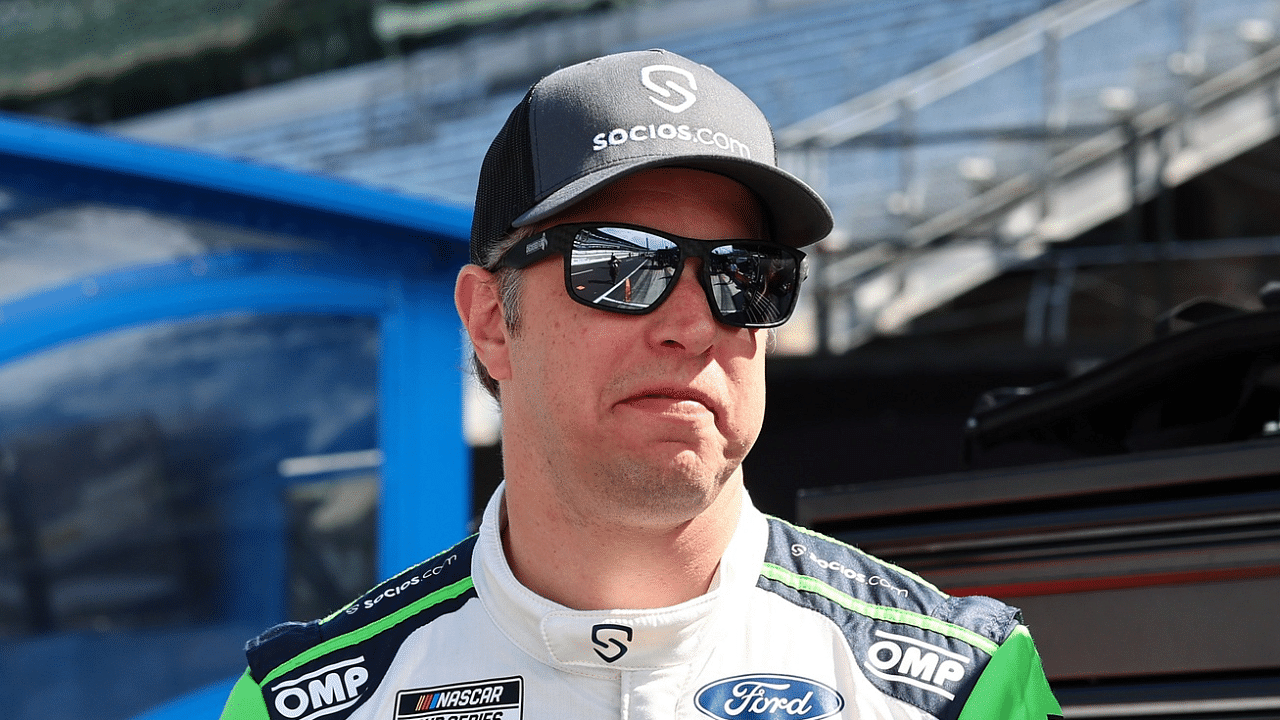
pixel 947 176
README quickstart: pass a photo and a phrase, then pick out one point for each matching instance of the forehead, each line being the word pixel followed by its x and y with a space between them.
pixel 692 203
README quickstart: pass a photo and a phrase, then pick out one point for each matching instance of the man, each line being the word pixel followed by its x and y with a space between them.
pixel 621 570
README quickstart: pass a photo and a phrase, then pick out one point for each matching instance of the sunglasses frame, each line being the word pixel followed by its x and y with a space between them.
pixel 559 240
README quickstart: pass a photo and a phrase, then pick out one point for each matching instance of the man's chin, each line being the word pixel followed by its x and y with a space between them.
pixel 667 489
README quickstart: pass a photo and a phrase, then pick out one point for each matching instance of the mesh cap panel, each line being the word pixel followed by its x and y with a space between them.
pixel 506 188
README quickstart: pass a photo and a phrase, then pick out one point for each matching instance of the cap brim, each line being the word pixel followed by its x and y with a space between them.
pixel 798 215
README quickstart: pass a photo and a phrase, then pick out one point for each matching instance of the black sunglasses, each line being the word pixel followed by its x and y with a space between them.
pixel 632 270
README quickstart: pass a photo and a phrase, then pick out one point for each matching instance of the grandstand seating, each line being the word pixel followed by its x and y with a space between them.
pixel 810 56
pixel 1000 87
pixel 797 63
pixel 1044 104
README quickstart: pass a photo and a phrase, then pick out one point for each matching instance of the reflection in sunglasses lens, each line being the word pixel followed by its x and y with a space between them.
pixel 631 270
pixel 622 268
pixel 750 285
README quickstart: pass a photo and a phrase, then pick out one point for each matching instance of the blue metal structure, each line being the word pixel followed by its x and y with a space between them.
pixel 346 251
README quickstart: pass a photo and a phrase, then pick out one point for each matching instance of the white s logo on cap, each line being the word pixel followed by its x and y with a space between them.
pixel 646 77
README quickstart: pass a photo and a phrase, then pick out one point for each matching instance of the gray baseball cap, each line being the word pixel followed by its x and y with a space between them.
pixel 587 125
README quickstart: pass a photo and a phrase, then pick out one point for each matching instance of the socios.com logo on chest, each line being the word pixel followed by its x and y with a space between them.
pixel 768 697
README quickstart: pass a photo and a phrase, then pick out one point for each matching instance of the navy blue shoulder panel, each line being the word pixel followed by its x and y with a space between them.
pixel 333 680
pixel 410 586
pixel 911 640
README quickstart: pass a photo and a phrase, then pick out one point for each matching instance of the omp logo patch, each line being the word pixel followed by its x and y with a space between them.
pixel 768 697
pixel 327 690
pixel 497 699
pixel 901 659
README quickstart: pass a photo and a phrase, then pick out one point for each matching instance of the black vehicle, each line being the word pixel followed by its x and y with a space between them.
pixel 1132 511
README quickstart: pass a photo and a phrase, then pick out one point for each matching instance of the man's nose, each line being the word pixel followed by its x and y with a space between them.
pixel 684 320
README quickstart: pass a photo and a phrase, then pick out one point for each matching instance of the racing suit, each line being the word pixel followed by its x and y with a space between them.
pixel 794 626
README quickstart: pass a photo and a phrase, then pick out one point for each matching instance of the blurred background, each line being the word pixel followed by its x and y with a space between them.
pixel 1035 359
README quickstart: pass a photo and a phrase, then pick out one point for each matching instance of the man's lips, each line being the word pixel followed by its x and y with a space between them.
pixel 666 399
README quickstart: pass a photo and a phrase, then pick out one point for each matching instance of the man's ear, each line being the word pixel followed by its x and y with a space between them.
pixel 476 296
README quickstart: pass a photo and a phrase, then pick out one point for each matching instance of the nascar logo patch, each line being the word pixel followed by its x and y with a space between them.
pixel 496 699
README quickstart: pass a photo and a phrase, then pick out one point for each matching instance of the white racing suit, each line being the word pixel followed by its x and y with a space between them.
pixel 796 626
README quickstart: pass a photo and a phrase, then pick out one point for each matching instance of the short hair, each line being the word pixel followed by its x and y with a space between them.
pixel 508 287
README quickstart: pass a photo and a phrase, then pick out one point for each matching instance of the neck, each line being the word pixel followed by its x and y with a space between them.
pixel 587 563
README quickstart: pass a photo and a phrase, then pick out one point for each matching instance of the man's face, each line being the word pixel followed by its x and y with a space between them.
pixel 646 415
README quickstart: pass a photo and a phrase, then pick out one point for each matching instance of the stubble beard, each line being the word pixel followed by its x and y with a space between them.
pixel 642 495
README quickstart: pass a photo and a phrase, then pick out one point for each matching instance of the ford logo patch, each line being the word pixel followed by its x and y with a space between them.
pixel 768 697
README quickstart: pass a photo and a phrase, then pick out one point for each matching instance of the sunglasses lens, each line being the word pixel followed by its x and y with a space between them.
pixel 753 285
pixel 630 270
pixel 621 268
